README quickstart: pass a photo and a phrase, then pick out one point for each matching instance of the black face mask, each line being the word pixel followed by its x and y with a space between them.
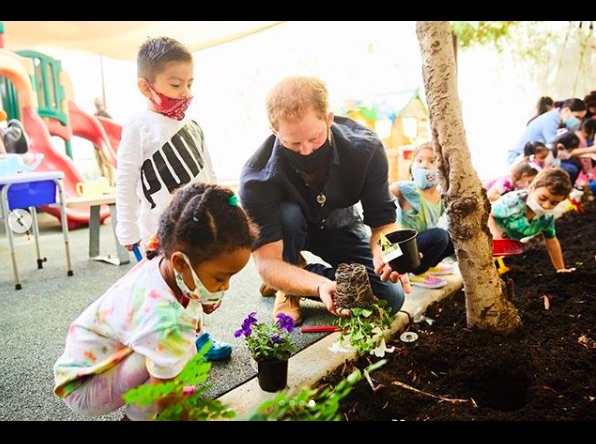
pixel 310 163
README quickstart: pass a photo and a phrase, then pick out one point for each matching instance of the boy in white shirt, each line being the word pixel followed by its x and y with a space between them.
pixel 161 150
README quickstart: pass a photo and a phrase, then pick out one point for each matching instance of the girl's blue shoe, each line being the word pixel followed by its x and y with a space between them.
pixel 219 350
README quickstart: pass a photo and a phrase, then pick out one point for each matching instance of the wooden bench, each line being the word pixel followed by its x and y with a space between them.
pixel 95 203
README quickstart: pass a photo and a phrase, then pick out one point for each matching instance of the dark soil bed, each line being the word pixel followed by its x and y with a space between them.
pixel 546 371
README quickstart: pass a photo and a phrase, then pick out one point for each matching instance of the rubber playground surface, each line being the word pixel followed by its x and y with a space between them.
pixel 34 320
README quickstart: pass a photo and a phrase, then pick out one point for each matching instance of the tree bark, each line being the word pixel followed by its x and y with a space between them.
pixel 487 304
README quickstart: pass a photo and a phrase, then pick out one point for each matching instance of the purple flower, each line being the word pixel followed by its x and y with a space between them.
pixel 241 332
pixel 285 322
pixel 277 339
pixel 268 340
pixel 246 328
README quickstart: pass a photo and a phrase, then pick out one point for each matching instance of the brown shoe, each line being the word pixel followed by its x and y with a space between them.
pixel 288 305
pixel 267 291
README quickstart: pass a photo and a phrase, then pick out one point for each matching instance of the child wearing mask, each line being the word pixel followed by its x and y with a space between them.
pixel 524 213
pixel 142 330
pixel 419 208
pixel 544 128
pixel 586 152
pixel 565 147
pixel 540 156
pixel 161 150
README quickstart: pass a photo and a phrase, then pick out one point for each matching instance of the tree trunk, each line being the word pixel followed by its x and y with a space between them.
pixel 487 304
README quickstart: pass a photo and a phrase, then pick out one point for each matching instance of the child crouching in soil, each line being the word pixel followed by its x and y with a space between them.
pixel 525 213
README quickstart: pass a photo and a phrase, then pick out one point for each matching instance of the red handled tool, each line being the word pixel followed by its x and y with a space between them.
pixel 505 247
pixel 318 329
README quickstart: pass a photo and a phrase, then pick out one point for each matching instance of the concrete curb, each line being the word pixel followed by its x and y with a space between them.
pixel 311 364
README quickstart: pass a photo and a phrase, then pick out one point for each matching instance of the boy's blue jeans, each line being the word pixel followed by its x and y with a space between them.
pixel 334 247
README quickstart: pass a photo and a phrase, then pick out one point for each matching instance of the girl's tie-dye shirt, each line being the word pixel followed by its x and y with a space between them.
pixel 139 313
pixel 509 212
pixel 424 214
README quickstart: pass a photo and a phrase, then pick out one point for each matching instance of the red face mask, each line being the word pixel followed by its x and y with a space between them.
pixel 168 106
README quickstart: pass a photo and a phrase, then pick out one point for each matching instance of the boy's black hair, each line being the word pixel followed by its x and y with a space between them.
pixel 531 148
pixel 590 99
pixel 569 140
pixel 524 166
pixel 156 52
pixel 589 126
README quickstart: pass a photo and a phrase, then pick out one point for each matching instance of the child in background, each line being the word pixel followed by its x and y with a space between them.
pixel 13 138
pixel 590 100
pixel 524 213
pixel 544 128
pixel 586 133
pixel 419 208
pixel 565 148
pixel 100 108
pixel 142 330
pixel 539 155
pixel 522 173
pixel 586 152
pixel 161 149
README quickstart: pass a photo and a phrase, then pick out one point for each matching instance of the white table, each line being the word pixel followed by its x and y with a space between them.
pixel 95 203
pixel 27 191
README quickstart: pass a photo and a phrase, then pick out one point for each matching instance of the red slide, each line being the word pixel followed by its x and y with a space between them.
pixel 113 131
pixel 13 68
pixel 54 160
pixel 88 127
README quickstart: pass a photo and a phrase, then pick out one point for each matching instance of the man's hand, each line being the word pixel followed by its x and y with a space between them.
pixel 389 274
pixel 328 295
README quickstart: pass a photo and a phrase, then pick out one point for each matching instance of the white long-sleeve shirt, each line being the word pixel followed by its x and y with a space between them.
pixel 156 156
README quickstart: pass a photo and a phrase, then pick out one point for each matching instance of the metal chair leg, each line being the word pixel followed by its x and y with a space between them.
pixel 35 229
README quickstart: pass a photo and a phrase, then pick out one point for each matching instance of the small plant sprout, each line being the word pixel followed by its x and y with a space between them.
pixel 364 329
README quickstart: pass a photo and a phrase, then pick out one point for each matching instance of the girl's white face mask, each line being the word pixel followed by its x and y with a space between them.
pixel 200 293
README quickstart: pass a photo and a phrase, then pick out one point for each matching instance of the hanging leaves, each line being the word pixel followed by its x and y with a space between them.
pixel 482 33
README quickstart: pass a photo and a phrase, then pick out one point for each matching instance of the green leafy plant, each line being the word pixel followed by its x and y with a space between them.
pixel 268 341
pixel 186 391
pixel 311 404
pixel 365 326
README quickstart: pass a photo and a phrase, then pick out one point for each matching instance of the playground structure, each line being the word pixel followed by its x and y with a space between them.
pixel 35 90
pixel 400 119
